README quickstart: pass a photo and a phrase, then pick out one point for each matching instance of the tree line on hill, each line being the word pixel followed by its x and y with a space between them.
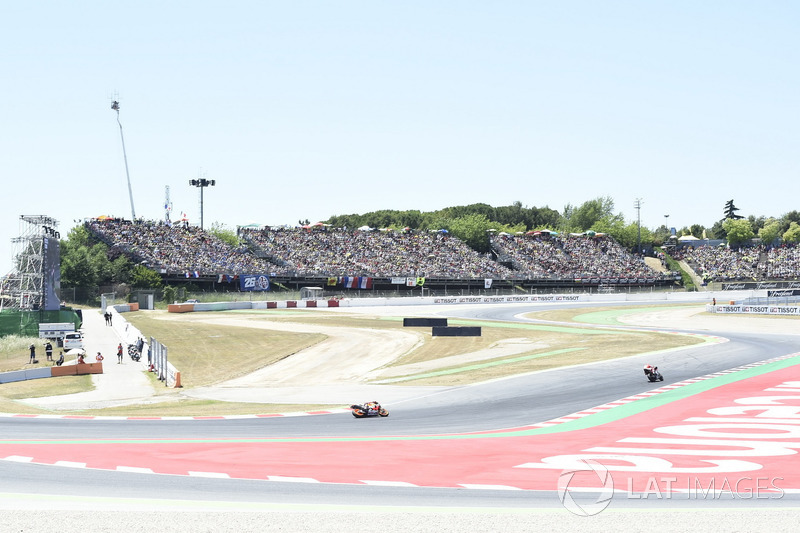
pixel 472 222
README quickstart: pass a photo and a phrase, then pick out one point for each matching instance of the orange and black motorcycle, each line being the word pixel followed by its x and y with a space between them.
pixel 368 409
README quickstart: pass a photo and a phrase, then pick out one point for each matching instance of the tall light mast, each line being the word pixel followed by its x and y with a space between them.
pixel 115 107
pixel 167 206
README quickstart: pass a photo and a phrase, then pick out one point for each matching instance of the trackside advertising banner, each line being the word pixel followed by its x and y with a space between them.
pixel 758 309
pixel 508 299
pixel 253 282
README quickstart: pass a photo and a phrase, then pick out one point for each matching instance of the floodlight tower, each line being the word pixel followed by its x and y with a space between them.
pixel 167 205
pixel 202 184
pixel 638 205
pixel 115 107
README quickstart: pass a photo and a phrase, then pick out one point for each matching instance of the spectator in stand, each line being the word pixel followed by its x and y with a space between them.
pixel 720 263
pixel 324 251
pixel 573 256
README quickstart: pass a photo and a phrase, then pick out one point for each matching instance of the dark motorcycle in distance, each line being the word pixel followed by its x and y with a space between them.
pixel 368 409
pixel 652 373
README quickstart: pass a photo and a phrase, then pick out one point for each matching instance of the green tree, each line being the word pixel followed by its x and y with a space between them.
pixel 472 230
pixel 730 211
pixel 627 235
pixel 756 223
pixel 738 230
pixel 77 268
pixel 718 230
pixel 169 293
pixel 787 219
pixel 697 230
pixel 793 233
pixel 98 257
pixel 121 270
pixel 144 278
pixel 224 234
pixel 78 236
pixel 583 218
pixel 770 231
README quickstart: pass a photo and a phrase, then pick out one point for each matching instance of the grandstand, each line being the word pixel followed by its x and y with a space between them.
pixel 385 260
pixel 751 263
pixel 575 256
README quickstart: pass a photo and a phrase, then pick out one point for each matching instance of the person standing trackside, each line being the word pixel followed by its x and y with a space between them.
pixel 33 353
pixel 48 349
pixel 119 354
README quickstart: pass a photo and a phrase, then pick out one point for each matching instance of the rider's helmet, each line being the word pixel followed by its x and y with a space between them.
pixel 648 367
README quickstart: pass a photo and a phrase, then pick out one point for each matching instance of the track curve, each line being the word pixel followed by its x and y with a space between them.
pixel 507 403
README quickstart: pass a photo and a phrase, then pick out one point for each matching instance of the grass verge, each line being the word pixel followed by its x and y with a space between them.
pixel 208 353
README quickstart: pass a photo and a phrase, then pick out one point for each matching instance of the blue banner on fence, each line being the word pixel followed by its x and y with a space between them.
pixel 255 282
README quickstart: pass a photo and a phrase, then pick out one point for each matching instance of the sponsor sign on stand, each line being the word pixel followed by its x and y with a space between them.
pixel 254 282
pixel 760 285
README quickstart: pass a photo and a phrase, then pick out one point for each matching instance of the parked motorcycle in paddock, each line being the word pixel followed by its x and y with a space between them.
pixel 368 409
pixel 652 373
pixel 133 352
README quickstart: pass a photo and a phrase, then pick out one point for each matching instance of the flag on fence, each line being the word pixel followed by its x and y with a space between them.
pixel 487 283
pixel 365 283
pixel 331 282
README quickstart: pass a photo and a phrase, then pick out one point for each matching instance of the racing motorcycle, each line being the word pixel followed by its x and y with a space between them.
pixel 653 374
pixel 368 409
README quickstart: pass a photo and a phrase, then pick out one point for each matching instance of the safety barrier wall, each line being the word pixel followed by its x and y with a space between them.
pixel 126 308
pixel 51 372
pixel 221 306
pixel 22 375
pixel 449 300
pixel 77 369
pixel 180 308
pixel 773 310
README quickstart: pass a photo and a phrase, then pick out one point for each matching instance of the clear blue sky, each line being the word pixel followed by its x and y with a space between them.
pixel 303 110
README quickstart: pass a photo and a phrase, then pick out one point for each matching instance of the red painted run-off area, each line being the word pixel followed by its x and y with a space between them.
pixel 745 448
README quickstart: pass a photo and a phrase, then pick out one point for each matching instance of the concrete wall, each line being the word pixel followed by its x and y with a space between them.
pixel 22 375
pixel 706 296
pixel 51 371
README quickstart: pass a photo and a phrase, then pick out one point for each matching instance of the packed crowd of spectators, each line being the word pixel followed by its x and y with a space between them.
pixel 720 263
pixel 571 256
pixel 750 263
pixel 176 248
pixel 782 262
pixel 337 252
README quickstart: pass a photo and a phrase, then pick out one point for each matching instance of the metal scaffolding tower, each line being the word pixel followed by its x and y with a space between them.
pixel 23 287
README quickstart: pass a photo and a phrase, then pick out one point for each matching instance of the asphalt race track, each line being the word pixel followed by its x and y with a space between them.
pixel 508 403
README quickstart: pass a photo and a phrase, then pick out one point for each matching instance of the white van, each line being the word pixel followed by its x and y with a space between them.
pixel 73 340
